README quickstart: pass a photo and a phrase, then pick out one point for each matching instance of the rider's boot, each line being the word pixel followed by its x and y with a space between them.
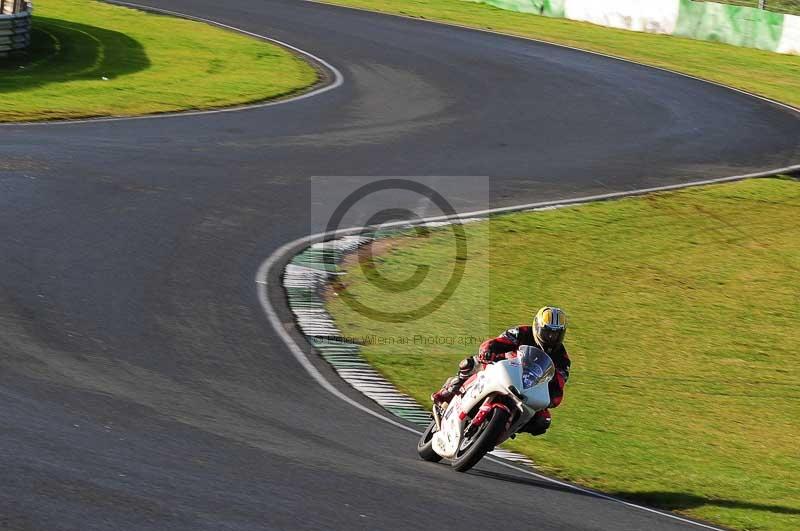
pixel 539 424
pixel 448 391
pixel 465 369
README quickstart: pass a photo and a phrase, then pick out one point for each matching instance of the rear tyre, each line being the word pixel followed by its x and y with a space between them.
pixel 425 444
pixel 480 442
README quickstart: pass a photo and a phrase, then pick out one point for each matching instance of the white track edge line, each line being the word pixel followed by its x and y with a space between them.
pixel 338 78
pixel 262 276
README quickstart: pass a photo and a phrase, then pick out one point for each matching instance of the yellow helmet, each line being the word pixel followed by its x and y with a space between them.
pixel 549 327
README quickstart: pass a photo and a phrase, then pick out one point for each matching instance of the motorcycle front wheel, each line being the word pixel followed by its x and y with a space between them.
pixel 480 442
pixel 425 445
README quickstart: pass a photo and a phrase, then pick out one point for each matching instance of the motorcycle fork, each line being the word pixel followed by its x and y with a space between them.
pixel 437 417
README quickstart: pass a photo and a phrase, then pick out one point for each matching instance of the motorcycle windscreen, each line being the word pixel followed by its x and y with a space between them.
pixel 537 367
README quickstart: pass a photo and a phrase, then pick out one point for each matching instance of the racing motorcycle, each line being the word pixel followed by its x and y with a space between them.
pixel 491 407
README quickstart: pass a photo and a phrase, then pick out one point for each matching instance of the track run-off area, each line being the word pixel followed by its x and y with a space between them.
pixel 143 385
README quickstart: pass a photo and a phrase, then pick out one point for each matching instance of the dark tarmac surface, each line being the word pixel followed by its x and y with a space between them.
pixel 141 384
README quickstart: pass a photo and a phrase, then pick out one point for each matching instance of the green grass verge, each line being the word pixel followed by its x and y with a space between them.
pixel 768 74
pixel 151 63
pixel 685 321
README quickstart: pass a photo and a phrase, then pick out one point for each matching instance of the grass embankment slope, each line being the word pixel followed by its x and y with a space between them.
pixel 150 63
pixel 769 74
pixel 685 322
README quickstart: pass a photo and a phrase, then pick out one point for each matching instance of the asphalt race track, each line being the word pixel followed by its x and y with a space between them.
pixel 141 384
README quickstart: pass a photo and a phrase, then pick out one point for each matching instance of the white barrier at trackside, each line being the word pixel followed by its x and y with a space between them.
pixel 651 16
pixel 708 21
pixel 790 40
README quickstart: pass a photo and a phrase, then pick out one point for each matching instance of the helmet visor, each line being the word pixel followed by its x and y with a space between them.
pixel 551 337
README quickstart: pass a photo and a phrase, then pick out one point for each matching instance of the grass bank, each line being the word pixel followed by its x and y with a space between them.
pixel 93 59
pixel 769 74
pixel 685 321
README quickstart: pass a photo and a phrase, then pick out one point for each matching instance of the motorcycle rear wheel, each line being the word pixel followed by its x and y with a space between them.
pixel 425 444
pixel 483 443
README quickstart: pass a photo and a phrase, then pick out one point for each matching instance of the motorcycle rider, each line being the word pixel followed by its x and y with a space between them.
pixel 547 333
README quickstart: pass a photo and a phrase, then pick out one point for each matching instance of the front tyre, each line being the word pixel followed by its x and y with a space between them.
pixel 425 444
pixel 481 441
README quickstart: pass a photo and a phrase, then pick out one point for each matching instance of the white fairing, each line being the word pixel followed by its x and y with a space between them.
pixel 496 379
pixel 537 397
